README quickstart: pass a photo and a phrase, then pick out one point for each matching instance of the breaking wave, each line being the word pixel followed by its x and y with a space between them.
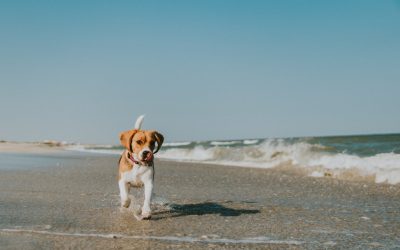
pixel 316 159
pixel 376 157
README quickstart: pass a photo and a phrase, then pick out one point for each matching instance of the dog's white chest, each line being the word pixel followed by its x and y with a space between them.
pixel 136 174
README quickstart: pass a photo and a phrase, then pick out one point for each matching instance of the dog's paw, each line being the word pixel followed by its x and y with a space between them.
pixel 125 203
pixel 146 216
pixel 143 216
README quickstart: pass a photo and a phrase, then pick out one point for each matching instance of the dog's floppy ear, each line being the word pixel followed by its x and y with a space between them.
pixel 126 138
pixel 160 139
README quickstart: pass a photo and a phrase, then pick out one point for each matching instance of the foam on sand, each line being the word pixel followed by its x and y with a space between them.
pixel 202 239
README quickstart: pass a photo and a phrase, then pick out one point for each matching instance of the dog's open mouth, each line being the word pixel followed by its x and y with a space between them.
pixel 149 158
pixel 146 161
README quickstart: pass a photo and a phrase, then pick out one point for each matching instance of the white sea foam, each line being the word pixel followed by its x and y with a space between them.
pixel 224 143
pixel 89 149
pixel 198 153
pixel 317 174
pixel 384 167
pixel 250 142
pixel 176 144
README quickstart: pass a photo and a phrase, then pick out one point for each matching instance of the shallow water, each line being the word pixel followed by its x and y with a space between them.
pixel 17 161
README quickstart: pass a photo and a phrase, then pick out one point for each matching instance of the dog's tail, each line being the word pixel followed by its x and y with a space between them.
pixel 139 121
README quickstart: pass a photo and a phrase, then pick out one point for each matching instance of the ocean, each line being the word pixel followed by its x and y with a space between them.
pixel 373 156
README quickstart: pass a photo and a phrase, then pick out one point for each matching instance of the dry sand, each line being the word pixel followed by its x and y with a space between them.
pixel 62 200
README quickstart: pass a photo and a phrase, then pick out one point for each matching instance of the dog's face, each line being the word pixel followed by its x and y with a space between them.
pixel 142 144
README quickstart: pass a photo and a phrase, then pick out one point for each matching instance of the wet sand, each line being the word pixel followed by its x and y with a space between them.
pixel 70 200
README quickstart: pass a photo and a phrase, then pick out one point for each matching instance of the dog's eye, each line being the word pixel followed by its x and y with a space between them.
pixel 139 142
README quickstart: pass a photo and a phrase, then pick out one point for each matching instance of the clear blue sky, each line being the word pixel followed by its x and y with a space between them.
pixel 84 70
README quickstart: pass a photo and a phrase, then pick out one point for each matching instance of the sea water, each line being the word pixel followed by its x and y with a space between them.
pixel 377 156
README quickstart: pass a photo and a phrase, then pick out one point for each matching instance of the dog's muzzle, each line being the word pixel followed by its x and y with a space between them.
pixel 148 158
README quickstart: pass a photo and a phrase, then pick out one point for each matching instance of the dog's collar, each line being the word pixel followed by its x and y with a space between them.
pixel 133 159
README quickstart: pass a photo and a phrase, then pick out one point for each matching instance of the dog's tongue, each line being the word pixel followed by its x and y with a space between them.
pixel 149 157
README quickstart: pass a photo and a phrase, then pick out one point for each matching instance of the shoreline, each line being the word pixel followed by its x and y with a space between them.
pixel 30 147
pixel 76 205
pixel 53 147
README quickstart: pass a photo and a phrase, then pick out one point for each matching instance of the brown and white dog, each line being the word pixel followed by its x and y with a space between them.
pixel 136 165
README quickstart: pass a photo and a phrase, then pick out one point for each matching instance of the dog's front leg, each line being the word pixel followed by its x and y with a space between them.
pixel 148 192
pixel 123 192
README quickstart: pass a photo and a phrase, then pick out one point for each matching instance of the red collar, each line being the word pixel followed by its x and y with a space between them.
pixel 133 159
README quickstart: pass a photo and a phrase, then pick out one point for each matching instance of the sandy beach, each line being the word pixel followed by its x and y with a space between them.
pixel 60 199
pixel 30 147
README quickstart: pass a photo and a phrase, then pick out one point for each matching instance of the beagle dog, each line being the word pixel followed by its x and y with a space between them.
pixel 136 165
